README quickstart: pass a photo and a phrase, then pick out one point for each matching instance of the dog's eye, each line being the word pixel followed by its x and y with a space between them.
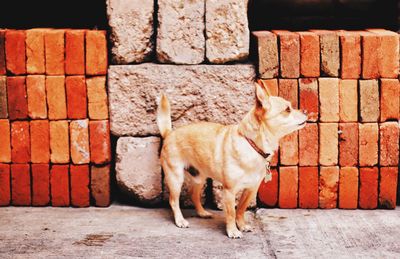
pixel 288 109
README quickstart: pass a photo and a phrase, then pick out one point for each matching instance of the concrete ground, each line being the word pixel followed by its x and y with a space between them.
pixel 123 231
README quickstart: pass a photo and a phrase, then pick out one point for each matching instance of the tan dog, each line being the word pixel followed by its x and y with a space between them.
pixel 232 155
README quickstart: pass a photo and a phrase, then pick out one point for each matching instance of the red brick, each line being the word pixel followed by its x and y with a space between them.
pixel 20 142
pixel 35 57
pixel 368 144
pixel 348 101
pixel 97 98
pixel 309 97
pixel 271 85
pixel 96 53
pixel 308 187
pixel 100 185
pixel 5 142
pixel 3 98
pixel 351 54
pixel 36 90
pixel 368 188
pixel 288 187
pixel 389 143
pixel 330 52
pixel 100 147
pixel 5 185
pixel 79 136
pixel 75 52
pixel 328 144
pixel 266 48
pixel 59 142
pixel 275 158
pixel 2 52
pixel 348 144
pixel 54 52
pixel 40 141
pixel 329 99
pixel 390 105
pixel 268 192
pixel 289 54
pixel 288 149
pixel 308 145
pixel 40 184
pixel 76 97
pixel 369 100
pixel 15 52
pixel 80 185
pixel 309 54
pixel 56 99
pixel 388 187
pixel 59 182
pixel 17 101
pixel 348 188
pixel 288 89
pixel 20 184
pixel 370 55
pixel 328 187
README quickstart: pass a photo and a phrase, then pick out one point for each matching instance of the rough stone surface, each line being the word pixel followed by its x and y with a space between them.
pixel 180 32
pixel 227 30
pixel 221 94
pixel 138 170
pixel 217 189
pixel 131 24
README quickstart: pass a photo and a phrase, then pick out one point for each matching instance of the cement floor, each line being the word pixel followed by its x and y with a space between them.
pixel 123 231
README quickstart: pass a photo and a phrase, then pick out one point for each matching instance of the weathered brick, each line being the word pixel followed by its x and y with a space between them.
pixel 330 52
pixel 3 98
pixel 369 100
pixel 20 184
pixel 329 99
pixel 79 136
pixel 36 91
pixel 348 101
pixel 308 145
pixel 271 85
pixel 348 144
pixel 76 97
pixel 80 185
pixel 368 144
pixel 275 158
pixel 56 97
pixel 2 52
pixel 308 187
pixel 59 182
pixel 15 52
pixel 40 141
pixel 35 57
pixel 17 99
pixel 20 142
pixel 288 89
pixel 5 142
pixel 309 100
pixel 389 143
pixel 288 187
pixel 390 105
pixel 59 142
pixel 289 54
pixel 368 194
pixel 328 144
pixel 348 188
pixel 5 185
pixel 309 54
pixel 328 187
pixel 266 53
pixel 388 187
pixel 54 52
pixel 100 147
pixel 96 53
pixel 40 184
pixel 350 55
pixel 100 185
pixel 75 52
pixel 370 55
pixel 268 192
pixel 97 98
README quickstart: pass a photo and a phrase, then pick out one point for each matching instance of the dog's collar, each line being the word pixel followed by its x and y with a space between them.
pixel 257 149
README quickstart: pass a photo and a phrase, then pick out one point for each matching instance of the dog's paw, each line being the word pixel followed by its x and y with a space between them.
pixel 205 214
pixel 234 233
pixel 182 223
pixel 245 228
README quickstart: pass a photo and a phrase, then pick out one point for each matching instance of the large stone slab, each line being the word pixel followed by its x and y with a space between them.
pixel 138 169
pixel 227 31
pixel 185 199
pixel 180 32
pixel 197 93
pixel 131 24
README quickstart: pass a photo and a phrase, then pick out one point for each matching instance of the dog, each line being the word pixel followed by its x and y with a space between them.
pixel 234 155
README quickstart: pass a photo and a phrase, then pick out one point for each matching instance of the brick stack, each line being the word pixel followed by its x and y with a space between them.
pixel 54 128
pixel 348 154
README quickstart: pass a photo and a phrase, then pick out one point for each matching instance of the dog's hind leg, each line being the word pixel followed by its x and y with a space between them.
pixel 197 189
pixel 247 196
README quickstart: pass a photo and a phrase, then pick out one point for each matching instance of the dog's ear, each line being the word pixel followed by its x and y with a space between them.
pixel 262 97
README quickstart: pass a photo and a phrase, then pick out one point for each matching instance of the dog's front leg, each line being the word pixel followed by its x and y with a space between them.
pixel 230 214
pixel 247 196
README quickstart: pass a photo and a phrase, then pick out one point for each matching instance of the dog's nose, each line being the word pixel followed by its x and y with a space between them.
pixel 305 112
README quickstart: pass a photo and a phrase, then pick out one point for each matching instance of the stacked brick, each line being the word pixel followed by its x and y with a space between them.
pixel 348 154
pixel 54 128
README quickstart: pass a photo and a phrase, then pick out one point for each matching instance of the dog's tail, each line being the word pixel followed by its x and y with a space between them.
pixel 164 116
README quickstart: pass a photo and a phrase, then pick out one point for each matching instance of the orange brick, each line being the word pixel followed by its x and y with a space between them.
pixel 35 57
pixel 369 100
pixel 40 184
pixel 59 142
pixel 266 48
pixel 390 105
pixel 15 52
pixel 17 101
pixel 288 149
pixel 100 147
pixel 100 185
pixel 348 188
pixel 330 52
pixel 59 182
pixel 56 99
pixel 389 143
pixel 309 54
pixel 271 85
pixel 368 188
pixel 308 187
pixel 289 54
pixel 20 142
pixel 96 53
pixel 268 192
pixel 368 144
pixel 348 101
pixel 36 90
pixel 275 158
pixel 79 136
pixel 288 89
pixel 328 144
pixel 80 185
pixel 288 187
pixel 370 55
pixel 5 185
pixel 329 99
pixel 76 97
pixel 2 52
pixel 350 55
pixel 20 184
pixel 328 187
pixel 348 144
pixel 308 145
pixel 388 187
pixel 309 97
pixel 40 141
pixel 5 142
pixel 3 98
pixel 75 52
pixel 97 98
pixel 54 52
